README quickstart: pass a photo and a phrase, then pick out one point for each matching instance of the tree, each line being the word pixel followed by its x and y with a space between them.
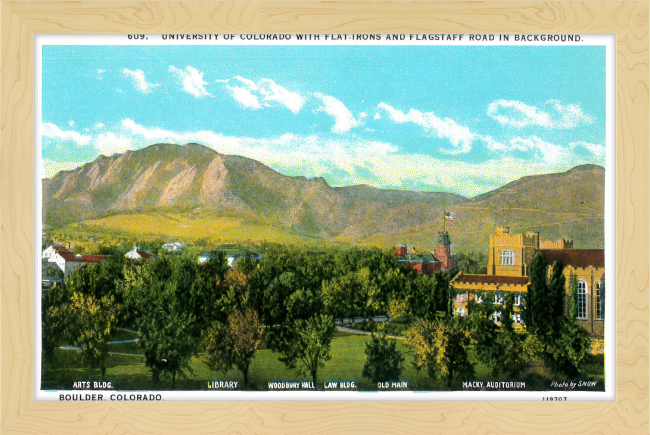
pixel 471 263
pixel 56 318
pixel 167 334
pixel 557 299
pixel 235 343
pixel 441 348
pixel 544 304
pixel 98 280
pixel 163 310
pixel 336 298
pixel 94 321
pixel 570 350
pixel 573 297
pixel 537 307
pixel 565 343
pixel 311 349
pixel 384 360
pixel 484 331
pixel 502 349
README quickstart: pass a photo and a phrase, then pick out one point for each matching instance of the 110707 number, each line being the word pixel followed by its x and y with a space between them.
pixel 554 398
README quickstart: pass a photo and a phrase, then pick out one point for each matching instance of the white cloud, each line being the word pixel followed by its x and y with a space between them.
pixel 108 144
pixel 99 73
pixel 459 136
pixel 52 131
pixel 346 161
pixel 71 123
pixel 192 80
pixel 139 81
pixel 571 115
pixel 267 91
pixel 596 150
pixel 377 115
pixel 245 97
pixel 343 118
pixel 100 125
pixel 517 114
pixel 549 152
pixel 375 163
pixel 286 146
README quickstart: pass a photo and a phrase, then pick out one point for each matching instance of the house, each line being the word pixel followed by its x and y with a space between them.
pixel 67 260
pixel 174 246
pixel 204 257
pixel 233 254
pixel 138 253
pixel 51 274
pixel 509 258
pixel 428 263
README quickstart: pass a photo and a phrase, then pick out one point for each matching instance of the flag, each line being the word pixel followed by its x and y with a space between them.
pixel 450 216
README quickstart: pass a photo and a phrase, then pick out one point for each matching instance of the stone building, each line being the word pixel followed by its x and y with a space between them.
pixel 429 263
pixel 510 256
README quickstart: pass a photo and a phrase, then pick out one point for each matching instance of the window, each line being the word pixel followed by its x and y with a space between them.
pixel 519 300
pixel 498 298
pixel 582 300
pixel 478 298
pixel 460 312
pixel 517 317
pixel 600 302
pixel 496 317
pixel 507 258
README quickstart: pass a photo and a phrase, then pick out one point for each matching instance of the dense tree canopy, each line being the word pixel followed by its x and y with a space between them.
pixel 235 342
pixel 384 361
pixel 311 348
pixel 94 321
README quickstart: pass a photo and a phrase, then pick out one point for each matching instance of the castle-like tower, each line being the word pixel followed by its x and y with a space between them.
pixel 443 252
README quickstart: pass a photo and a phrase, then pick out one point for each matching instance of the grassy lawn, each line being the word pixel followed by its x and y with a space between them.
pixel 348 357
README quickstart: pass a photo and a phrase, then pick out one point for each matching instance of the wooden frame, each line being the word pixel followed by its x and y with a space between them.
pixel 21 414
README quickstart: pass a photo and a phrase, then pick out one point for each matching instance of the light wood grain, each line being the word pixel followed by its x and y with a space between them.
pixel 21 414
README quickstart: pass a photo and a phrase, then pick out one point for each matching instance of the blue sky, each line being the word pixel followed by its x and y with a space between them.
pixel 463 119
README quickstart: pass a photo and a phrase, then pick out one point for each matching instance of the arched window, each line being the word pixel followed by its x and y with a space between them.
pixel 582 300
pixel 600 312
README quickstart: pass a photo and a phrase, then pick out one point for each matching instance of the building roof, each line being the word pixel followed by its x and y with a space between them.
pixel 424 258
pixel 68 255
pixel 94 258
pixel 144 254
pixel 61 249
pixel 491 279
pixel 576 257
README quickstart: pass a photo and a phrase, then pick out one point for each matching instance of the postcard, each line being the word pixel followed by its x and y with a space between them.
pixel 325 217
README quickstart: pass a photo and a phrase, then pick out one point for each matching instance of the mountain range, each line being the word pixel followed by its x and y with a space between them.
pixel 174 182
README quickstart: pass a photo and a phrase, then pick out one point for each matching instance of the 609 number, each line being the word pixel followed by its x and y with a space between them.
pixel 137 37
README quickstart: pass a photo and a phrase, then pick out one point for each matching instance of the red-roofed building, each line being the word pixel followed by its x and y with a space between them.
pixel 67 260
pixel 428 263
pixel 138 253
